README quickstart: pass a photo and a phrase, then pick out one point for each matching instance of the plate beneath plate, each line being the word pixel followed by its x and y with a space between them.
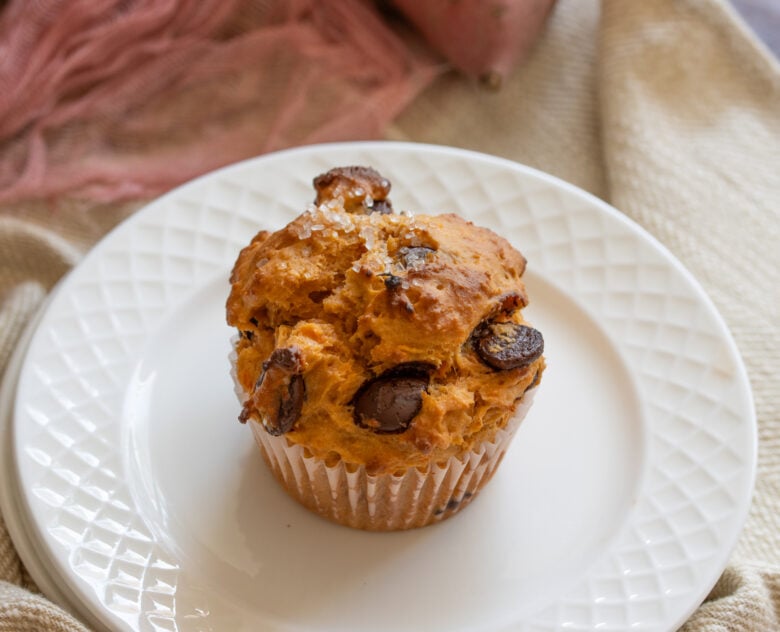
pixel 14 516
pixel 616 507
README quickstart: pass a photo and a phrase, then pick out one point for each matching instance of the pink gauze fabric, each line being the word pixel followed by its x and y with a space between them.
pixel 122 99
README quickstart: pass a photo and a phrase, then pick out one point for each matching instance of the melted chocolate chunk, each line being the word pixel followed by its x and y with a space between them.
pixel 395 286
pixel 289 407
pixel 393 282
pixel 414 257
pixel 388 404
pixel 361 189
pixel 279 392
pixel 505 346
pixel 317 296
pixel 383 207
pixel 452 504
pixel 415 369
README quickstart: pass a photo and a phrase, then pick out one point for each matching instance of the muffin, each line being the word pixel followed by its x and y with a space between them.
pixel 382 359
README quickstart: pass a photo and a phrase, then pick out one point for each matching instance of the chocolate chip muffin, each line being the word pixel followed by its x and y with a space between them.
pixel 382 358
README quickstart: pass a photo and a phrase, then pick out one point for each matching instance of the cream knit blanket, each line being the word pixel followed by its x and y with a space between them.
pixel 670 111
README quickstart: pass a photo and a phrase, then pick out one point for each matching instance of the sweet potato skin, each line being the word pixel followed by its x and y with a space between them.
pixel 484 39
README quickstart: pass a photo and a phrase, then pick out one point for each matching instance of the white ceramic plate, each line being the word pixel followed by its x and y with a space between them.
pixel 616 507
pixel 17 520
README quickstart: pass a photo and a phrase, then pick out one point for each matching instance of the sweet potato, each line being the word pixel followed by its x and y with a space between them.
pixel 482 38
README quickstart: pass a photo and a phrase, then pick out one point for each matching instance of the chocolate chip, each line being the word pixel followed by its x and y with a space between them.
pixel 393 282
pixel 415 369
pixel 414 257
pixel 287 358
pixel 246 334
pixel 388 404
pixel 452 504
pixel 360 189
pixel 398 297
pixel 505 346
pixel 277 399
pixel 317 296
pixel 383 207
pixel 289 407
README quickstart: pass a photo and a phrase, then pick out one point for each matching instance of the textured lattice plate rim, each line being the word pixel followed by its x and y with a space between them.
pixel 15 516
pixel 692 502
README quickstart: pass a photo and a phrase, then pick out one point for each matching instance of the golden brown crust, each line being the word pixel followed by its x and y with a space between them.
pixel 360 294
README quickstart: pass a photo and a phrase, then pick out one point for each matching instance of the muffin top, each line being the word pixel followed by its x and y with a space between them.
pixel 383 339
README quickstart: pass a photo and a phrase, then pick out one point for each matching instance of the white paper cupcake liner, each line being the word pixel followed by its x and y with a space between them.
pixel 348 495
